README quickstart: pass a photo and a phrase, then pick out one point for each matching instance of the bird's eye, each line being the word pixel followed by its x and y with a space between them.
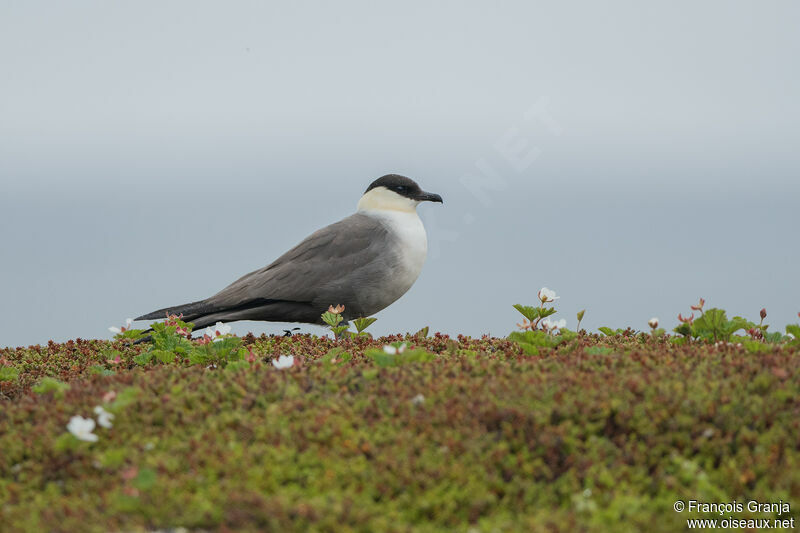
pixel 401 188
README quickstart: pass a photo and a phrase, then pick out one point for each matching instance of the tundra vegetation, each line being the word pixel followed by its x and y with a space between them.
pixel 548 429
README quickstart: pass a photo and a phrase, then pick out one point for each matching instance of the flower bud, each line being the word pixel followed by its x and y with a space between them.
pixel 699 306
pixel 763 314
pixel 653 322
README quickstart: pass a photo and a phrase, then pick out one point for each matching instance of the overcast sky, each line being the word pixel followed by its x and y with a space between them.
pixel 633 157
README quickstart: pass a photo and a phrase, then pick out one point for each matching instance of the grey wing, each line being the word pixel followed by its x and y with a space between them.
pixel 328 267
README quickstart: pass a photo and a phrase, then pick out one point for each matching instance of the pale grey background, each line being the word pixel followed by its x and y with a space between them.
pixel 152 152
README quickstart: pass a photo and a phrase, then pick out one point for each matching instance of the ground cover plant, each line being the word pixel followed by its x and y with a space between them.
pixel 548 429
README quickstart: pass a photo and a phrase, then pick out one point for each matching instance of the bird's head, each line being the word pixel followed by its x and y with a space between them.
pixel 395 192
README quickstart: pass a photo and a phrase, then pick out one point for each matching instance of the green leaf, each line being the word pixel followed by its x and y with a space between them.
pixel 335 354
pixel 233 366
pixel 222 351
pixel 543 313
pixel 66 442
pixel 167 338
pixel 164 356
pixel 714 325
pixel 756 346
pixel 124 398
pixel 338 330
pixel 101 370
pixel 598 350
pixel 608 332
pixel 567 334
pixel 531 313
pixel 331 319
pixel 8 373
pixel 199 357
pixel 143 358
pixel 423 333
pixel 363 323
pixel 711 325
pixel 129 334
pixel 737 323
pixel 535 339
pixel 683 329
pixel 53 385
pixel 383 359
pixel 145 479
pixel 794 330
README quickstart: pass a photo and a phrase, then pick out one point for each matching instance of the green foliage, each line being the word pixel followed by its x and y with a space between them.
pixel 683 329
pixel 332 319
pixel 48 384
pixel 145 479
pixel 166 339
pixel 597 434
pixel 608 332
pixel 169 345
pixel 383 359
pixel 219 352
pixel 66 442
pixel 714 325
pixel 101 370
pixel 794 330
pixel 363 323
pixel 143 358
pixel 599 350
pixel 235 366
pixel 756 346
pixel 131 334
pixel 339 331
pixel 534 313
pixel 532 340
pixel 580 316
pixel 126 397
pixel 8 373
pixel 335 356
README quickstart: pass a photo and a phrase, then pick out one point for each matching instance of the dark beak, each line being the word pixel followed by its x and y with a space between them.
pixel 428 197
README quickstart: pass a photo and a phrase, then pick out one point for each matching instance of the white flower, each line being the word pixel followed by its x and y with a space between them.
pixel 217 331
pixel 546 295
pixel 115 330
pixel 104 418
pixel 284 361
pixel 554 324
pixel 391 350
pixel 419 399
pixel 653 322
pixel 82 428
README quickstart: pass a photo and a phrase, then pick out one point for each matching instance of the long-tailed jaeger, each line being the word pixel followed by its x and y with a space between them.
pixel 365 262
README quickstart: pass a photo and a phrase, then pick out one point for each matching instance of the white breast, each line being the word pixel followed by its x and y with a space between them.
pixel 412 247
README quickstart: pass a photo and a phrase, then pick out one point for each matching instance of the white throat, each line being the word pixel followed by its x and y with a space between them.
pixel 382 199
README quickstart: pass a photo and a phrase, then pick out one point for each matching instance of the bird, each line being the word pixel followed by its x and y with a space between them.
pixel 364 262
